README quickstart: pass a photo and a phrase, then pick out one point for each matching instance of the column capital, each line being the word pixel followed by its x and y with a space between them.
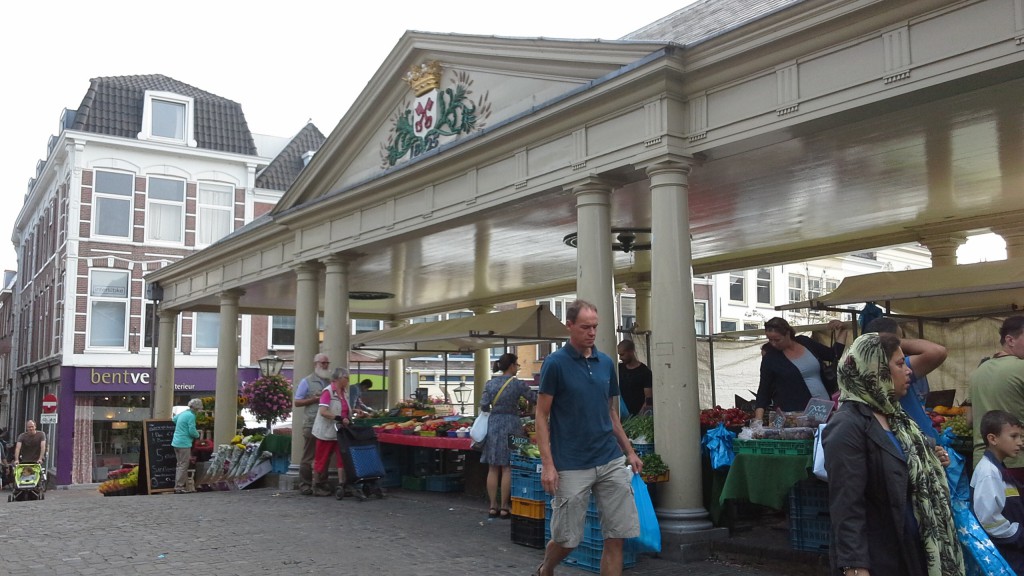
pixel 339 259
pixel 591 184
pixel 231 296
pixel 943 247
pixel 307 267
pixel 669 162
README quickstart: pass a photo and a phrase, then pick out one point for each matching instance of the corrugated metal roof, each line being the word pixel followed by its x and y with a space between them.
pixel 705 19
pixel 113 106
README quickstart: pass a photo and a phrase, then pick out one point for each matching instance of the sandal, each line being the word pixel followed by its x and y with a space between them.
pixel 492 513
pixel 504 515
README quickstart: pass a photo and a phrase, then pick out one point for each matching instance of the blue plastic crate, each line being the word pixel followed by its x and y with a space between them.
pixel 445 483
pixel 279 464
pixel 527 485
pixel 810 534
pixel 810 527
pixel 520 462
pixel 643 449
pixel 392 478
pixel 587 556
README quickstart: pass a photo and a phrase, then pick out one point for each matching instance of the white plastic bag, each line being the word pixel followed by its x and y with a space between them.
pixel 479 430
pixel 819 455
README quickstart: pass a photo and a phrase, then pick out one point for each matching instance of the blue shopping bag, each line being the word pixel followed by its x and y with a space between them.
pixel 717 443
pixel 649 539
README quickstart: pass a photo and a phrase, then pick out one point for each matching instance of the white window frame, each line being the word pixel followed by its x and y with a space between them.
pixel 800 289
pixel 147 117
pixel 201 222
pixel 700 317
pixel 811 293
pixel 108 299
pixel 97 195
pixel 735 325
pixel 743 278
pixel 757 285
pixel 270 334
pixel 151 213
pixel 355 325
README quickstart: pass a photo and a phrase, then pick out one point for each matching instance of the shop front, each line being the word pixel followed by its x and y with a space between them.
pixel 102 426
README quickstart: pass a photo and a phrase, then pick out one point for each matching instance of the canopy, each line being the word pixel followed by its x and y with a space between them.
pixel 529 325
pixel 945 292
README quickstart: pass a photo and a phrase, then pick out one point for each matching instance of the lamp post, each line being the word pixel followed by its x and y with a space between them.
pixel 462 394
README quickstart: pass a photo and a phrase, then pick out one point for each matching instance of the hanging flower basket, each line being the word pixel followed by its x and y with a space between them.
pixel 269 398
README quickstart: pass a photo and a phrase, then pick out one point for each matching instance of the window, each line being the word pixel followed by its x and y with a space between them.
pixel 112 203
pixel 282 331
pixel 700 318
pixel 796 288
pixel 151 331
pixel 361 326
pixel 165 210
pixel 736 287
pixel 813 288
pixel 831 285
pixel 764 285
pixel 108 308
pixel 206 329
pixel 627 312
pixel 215 205
pixel 168 117
pixel 729 325
pixel 751 325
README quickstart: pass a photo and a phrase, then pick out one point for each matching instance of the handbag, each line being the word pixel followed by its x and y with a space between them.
pixel 478 432
pixel 829 375
pixel 649 539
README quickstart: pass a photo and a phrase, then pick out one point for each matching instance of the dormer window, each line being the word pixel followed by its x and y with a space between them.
pixel 168 117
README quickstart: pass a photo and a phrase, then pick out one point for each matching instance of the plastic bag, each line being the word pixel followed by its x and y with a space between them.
pixel 819 455
pixel 479 430
pixel 718 444
pixel 649 539
pixel 958 478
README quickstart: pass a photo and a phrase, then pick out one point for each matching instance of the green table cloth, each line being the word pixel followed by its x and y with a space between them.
pixel 277 444
pixel 765 479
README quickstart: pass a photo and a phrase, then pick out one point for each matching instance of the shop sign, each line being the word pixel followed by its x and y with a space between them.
pixel 112 379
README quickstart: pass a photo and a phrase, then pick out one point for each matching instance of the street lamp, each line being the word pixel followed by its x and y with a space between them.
pixel 271 364
pixel 462 394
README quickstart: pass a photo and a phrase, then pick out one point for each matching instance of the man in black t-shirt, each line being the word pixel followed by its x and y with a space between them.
pixel 635 379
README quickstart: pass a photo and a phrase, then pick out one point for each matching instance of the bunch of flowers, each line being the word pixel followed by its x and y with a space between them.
pixel 122 481
pixel 268 398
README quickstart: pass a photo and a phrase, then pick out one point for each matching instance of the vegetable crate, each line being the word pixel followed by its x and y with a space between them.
pixel 414 483
pixel 770 447
pixel 810 526
pixel 528 531
pixel 527 485
pixel 643 449
pixel 520 462
pixel 445 483
pixel 525 508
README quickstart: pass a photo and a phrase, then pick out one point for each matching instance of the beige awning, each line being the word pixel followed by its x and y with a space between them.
pixel 947 292
pixel 530 325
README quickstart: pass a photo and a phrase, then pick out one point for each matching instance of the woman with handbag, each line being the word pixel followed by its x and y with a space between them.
pixel 501 400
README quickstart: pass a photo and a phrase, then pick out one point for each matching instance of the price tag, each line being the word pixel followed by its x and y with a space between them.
pixel 817 411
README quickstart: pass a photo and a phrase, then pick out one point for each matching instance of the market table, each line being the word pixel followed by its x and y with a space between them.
pixel 443 442
pixel 765 479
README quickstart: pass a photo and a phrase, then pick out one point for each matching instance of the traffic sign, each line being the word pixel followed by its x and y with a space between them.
pixel 49 404
pixel 48 418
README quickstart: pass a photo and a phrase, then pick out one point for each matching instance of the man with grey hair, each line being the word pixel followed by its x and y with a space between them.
pixel 307 397
pixel 185 434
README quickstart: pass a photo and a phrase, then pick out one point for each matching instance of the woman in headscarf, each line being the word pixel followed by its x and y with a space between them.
pixel 888 497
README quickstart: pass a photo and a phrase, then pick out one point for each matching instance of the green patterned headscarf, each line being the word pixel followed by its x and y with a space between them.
pixel 864 377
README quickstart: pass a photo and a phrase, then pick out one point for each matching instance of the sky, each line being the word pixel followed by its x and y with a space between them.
pixel 285 62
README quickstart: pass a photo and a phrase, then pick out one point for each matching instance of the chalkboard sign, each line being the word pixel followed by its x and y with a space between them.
pixel 817 411
pixel 158 463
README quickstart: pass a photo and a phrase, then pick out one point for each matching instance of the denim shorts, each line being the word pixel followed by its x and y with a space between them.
pixel 611 486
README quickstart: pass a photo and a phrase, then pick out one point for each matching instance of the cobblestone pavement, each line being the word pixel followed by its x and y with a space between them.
pixel 266 531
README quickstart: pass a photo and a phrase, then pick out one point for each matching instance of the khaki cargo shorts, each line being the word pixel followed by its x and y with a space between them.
pixel 611 486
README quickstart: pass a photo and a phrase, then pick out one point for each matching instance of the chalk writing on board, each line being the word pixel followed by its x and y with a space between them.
pixel 160 461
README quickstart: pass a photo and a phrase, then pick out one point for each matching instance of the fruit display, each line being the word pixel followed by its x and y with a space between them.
pixel 958 424
pixel 732 417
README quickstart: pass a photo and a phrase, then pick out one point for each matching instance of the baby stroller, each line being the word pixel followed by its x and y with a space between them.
pixel 360 457
pixel 29 483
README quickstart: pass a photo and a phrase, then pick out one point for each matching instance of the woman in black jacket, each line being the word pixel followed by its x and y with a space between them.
pixel 791 372
pixel 888 497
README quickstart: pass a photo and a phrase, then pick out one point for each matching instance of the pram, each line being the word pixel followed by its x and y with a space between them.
pixel 360 456
pixel 29 483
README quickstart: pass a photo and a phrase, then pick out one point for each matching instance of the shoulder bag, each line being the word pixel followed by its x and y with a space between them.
pixel 479 430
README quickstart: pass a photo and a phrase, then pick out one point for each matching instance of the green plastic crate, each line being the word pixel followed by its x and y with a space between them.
pixel 768 447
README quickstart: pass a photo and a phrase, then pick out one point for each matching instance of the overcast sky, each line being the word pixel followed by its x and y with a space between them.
pixel 285 62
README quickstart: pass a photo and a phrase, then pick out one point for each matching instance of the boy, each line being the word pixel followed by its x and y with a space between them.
pixel 995 495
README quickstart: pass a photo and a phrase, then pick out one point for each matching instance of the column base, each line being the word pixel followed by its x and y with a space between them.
pixel 290 479
pixel 687 534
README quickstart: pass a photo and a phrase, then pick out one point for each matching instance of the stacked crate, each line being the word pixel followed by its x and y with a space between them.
pixel 810 526
pixel 531 519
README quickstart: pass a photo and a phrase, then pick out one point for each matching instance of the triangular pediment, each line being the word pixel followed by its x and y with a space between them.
pixel 481 83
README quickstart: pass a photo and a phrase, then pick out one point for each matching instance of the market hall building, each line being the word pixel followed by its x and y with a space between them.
pixel 795 130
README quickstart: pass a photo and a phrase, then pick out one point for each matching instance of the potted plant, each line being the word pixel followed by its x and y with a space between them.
pixel 268 398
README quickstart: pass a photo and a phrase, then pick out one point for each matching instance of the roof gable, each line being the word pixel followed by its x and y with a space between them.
pixel 113 106
pixel 287 165
pixel 487 80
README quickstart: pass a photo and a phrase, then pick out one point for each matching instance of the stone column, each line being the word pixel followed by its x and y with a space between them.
pixel 674 349
pixel 163 393
pixel 336 311
pixel 1014 238
pixel 481 364
pixel 594 279
pixel 307 309
pixel 226 412
pixel 943 248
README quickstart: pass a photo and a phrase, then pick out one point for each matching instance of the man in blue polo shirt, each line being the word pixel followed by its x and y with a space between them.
pixel 582 444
